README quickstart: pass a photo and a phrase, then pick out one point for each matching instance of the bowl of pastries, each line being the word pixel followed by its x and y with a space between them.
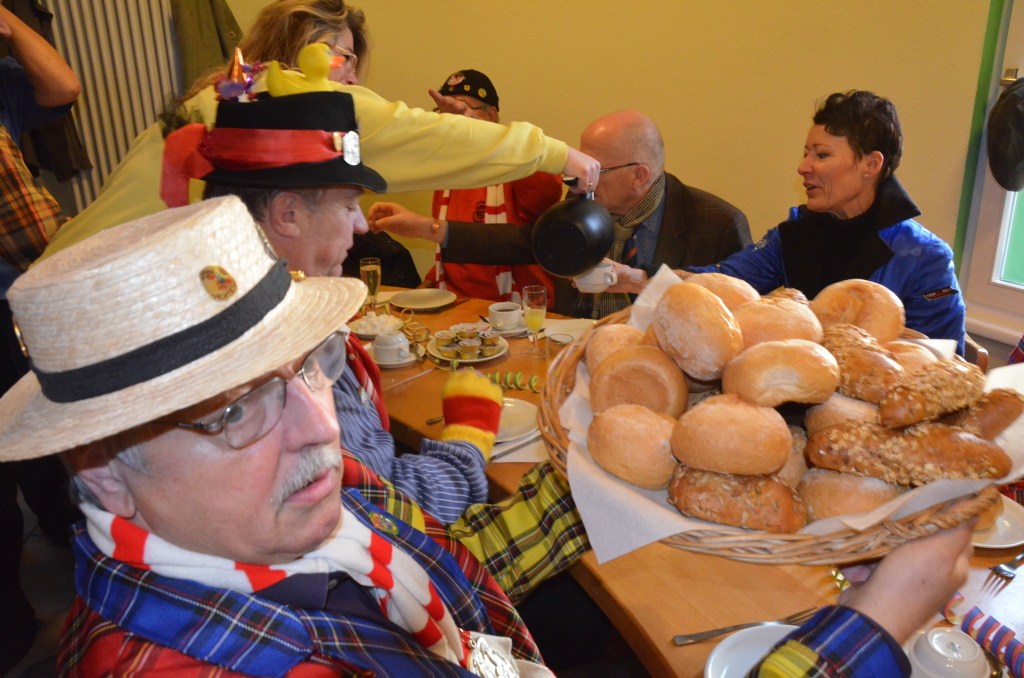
pixel 822 430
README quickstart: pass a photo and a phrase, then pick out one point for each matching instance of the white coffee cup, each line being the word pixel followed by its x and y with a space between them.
pixel 390 346
pixel 598 280
pixel 946 653
pixel 505 315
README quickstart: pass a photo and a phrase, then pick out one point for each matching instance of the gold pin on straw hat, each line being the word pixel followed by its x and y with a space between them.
pixel 147 318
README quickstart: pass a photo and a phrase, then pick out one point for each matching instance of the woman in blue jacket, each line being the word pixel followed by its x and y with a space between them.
pixel 858 222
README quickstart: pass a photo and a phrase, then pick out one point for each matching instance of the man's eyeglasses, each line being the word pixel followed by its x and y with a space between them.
pixel 254 414
pixel 628 164
pixel 342 57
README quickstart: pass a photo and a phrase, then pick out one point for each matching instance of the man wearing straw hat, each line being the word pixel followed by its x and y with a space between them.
pixel 187 377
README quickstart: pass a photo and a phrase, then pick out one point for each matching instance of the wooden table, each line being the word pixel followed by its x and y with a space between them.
pixel 658 591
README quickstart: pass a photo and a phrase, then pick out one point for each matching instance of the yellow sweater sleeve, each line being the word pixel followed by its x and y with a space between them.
pixel 411 148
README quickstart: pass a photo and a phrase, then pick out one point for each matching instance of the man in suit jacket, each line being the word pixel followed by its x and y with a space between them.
pixel 659 220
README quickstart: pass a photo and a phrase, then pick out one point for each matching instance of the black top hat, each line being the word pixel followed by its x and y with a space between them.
pixel 1006 138
pixel 332 112
pixel 472 84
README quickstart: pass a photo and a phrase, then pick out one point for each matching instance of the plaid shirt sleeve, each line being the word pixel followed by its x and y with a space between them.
pixel 838 643
pixel 1017 354
pixel 29 216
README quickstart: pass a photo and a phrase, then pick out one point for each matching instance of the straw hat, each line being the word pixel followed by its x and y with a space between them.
pixel 147 318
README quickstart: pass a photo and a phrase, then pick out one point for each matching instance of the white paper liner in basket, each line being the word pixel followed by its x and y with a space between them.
pixel 621 517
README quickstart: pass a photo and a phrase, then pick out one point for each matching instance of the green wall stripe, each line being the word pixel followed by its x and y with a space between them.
pixel 988 58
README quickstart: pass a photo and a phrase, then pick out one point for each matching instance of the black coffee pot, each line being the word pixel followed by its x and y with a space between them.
pixel 573 236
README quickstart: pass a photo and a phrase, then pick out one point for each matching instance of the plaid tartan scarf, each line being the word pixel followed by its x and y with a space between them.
pixel 606 303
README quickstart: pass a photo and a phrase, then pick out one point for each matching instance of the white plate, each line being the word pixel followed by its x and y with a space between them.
pixel 382 297
pixel 415 352
pixel 574 327
pixel 424 299
pixel 738 653
pixel 1008 529
pixel 502 349
pixel 518 418
pixel 514 332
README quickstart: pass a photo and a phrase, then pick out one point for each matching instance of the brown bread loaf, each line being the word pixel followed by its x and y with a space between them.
pixel 754 502
pixel 639 375
pixel 776 372
pixel 936 389
pixel 732 291
pixel 866 370
pixel 914 456
pixel 827 494
pixel 863 303
pixel 773 319
pixel 631 442
pixel 696 330
pixel 607 340
pixel 989 415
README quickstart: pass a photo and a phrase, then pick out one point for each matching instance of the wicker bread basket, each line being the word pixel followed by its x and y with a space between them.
pixel 837 548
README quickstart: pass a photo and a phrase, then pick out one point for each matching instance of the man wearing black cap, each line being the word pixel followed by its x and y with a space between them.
pixel 471 93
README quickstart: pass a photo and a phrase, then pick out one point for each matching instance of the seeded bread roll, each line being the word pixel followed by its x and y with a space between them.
pixel 789 293
pixel 733 292
pixel 837 409
pixel 639 375
pixel 863 303
pixel 608 339
pixel 796 465
pixel 696 330
pixel 989 415
pixel 726 434
pixel 776 372
pixel 936 389
pixel 866 370
pixel 827 494
pixel 910 356
pixel 632 443
pixel 774 319
pixel 916 455
pixel 753 502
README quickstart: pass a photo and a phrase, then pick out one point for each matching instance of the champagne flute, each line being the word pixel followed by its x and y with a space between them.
pixel 535 306
pixel 369 271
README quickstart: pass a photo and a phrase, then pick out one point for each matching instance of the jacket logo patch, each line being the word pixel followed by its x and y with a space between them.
pixel 938 294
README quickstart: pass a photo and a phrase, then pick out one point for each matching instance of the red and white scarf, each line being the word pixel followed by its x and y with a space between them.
pixel 494 213
pixel 402 587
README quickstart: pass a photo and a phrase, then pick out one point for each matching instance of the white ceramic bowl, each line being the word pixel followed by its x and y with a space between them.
pixel 738 653
pixel 947 653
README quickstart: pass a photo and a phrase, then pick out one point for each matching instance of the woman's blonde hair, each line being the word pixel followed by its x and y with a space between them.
pixel 283 28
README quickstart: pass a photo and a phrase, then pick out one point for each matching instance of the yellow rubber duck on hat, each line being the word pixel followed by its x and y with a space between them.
pixel 315 62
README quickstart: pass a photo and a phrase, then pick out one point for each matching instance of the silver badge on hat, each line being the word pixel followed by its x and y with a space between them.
pixel 350 145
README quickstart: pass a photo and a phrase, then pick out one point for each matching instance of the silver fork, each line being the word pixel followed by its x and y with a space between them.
pixel 1008 570
pixel 793 619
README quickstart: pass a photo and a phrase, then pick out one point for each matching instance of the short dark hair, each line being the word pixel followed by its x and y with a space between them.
pixel 258 200
pixel 869 123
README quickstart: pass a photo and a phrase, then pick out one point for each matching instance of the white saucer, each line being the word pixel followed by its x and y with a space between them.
pixel 1008 530
pixel 415 351
pixel 518 419
pixel 738 653
pixel 502 349
pixel 424 299
pixel 516 331
pixel 574 327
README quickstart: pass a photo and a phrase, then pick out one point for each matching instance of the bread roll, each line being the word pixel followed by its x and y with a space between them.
pixel 910 356
pixel 988 518
pixel 774 319
pixel 837 409
pixel 732 291
pixel 608 339
pixel 776 372
pixel 631 442
pixel 935 389
pixel 989 415
pixel 827 494
pixel 866 370
pixel 863 303
pixel 753 502
pixel 726 434
pixel 916 455
pixel 789 293
pixel 796 464
pixel 696 330
pixel 639 375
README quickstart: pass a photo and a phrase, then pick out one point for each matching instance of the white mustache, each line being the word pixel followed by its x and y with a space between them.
pixel 313 461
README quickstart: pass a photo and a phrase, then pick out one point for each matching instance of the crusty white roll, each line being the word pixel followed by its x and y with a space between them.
pixel 910 356
pixel 696 330
pixel 796 465
pixel 837 409
pixel 639 375
pixel 733 292
pixel 631 442
pixel 727 434
pixel 827 494
pixel 776 319
pixel 863 303
pixel 776 372
pixel 608 339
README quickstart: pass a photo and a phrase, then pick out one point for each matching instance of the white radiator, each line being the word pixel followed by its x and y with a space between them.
pixel 125 55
